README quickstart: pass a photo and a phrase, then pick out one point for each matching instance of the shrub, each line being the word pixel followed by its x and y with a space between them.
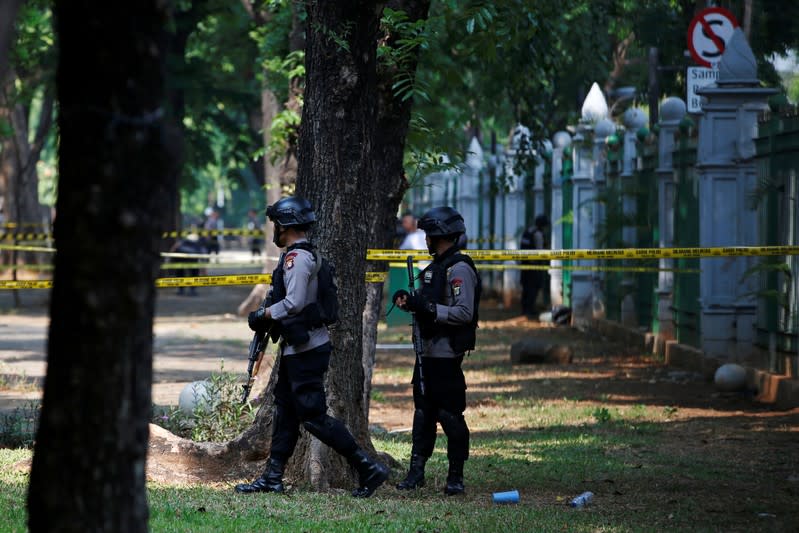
pixel 217 420
pixel 18 428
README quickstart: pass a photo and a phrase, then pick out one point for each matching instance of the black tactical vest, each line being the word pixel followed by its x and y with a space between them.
pixel 461 337
pixel 295 328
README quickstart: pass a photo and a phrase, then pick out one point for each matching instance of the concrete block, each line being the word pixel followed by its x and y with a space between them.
pixel 536 351
pixel 632 337
pixel 787 393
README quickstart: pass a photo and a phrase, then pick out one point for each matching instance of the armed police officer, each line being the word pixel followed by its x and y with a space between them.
pixel 445 308
pixel 296 314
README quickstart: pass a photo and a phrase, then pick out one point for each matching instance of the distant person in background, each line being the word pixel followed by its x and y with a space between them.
pixel 414 237
pixel 191 244
pixel 253 225
pixel 534 238
pixel 214 222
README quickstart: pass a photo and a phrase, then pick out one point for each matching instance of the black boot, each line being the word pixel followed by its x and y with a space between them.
pixel 415 477
pixel 455 478
pixel 371 474
pixel 270 481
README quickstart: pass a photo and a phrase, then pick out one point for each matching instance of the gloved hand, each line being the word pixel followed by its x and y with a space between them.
pixel 399 294
pixel 421 305
pixel 257 320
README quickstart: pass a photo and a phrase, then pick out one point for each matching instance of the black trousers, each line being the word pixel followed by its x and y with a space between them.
pixel 300 399
pixel 532 282
pixel 443 402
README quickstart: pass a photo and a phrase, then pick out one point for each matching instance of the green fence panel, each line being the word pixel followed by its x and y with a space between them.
pixel 685 308
pixel 646 226
pixel 777 198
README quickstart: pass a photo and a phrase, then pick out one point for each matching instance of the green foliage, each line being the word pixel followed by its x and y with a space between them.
pixel 338 36
pixel 378 396
pixel 286 123
pixel 601 415
pixel 397 52
pixel 18 427
pixel 217 81
pixel 775 296
pixel 33 54
pixel 284 131
pixel 219 419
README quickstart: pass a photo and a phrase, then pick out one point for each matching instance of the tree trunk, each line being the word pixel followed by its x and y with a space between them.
pixel 284 169
pixel 8 14
pixel 393 117
pixel 18 173
pixel 351 170
pixel 336 172
pixel 88 470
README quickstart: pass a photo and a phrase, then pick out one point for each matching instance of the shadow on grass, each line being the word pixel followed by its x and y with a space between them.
pixel 692 475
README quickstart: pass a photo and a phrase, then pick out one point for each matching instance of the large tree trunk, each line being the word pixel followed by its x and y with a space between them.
pixel 390 183
pixel 88 470
pixel 336 172
pixel 351 169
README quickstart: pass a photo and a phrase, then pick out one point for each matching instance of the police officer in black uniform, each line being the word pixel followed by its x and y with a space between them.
pixel 446 308
pixel 533 281
pixel 305 350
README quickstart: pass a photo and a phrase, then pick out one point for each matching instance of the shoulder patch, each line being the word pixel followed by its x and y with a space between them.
pixel 456 284
pixel 289 264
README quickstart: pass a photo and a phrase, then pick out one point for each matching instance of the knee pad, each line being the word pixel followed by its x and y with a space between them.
pixel 450 419
pixel 318 426
pixel 310 404
pixel 454 426
pixel 424 432
pixel 331 432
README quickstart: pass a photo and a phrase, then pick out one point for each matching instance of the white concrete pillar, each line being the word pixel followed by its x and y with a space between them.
pixel 725 165
pixel 672 111
pixel 584 291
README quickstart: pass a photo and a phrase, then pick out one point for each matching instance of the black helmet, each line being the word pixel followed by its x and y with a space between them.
pixel 291 211
pixel 442 222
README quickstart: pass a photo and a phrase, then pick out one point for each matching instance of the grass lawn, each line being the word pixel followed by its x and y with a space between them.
pixel 660 453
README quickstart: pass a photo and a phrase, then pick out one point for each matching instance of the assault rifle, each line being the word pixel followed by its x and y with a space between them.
pixel 417 336
pixel 256 355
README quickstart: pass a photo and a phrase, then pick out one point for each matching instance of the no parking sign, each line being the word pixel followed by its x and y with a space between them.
pixel 708 34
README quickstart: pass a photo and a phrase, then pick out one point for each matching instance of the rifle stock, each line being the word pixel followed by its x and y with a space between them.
pixel 418 348
pixel 257 347
pixel 256 355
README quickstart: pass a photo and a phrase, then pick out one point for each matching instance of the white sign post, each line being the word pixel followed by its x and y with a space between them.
pixel 696 78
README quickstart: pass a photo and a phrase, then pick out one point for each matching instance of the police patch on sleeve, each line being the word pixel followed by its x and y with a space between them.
pixel 456 286
pixel 289 264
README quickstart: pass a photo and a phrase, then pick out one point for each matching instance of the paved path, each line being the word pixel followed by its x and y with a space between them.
pixel 194 336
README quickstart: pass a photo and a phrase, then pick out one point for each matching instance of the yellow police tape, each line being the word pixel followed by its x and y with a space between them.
pixel 196 281
pixel 23 236
pixel 22 224
pixel 214 232
pixel 39 236
pixel 173 266
pixel 542 255
pixel 611 253
pixel 26 248
pixel 484 266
